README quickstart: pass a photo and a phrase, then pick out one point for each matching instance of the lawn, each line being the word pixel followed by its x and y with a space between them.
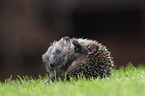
pixel 129 81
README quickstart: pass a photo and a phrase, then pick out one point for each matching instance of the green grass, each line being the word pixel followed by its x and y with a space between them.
pixel 124 82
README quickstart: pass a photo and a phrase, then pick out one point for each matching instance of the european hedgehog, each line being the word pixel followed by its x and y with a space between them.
pixel 72 57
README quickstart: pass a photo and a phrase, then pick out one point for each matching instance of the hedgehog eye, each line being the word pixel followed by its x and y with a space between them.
pixel 58 51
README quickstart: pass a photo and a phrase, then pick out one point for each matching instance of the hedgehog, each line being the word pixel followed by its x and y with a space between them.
pixel 72 57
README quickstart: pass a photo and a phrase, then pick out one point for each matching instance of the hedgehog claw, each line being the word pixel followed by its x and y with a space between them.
pixel 48 80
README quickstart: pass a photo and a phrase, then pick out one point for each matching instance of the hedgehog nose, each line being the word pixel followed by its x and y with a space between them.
pixel 52 65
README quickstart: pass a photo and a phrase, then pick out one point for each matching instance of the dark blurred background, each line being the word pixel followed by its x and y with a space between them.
pixel 27 27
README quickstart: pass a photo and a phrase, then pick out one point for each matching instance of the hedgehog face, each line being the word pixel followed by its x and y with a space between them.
pixel 56 57
pixel 60 55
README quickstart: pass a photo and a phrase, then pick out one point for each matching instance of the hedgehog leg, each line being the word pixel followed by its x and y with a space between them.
pixel 48 80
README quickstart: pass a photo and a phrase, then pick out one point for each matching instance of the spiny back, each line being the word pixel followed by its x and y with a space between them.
pixel 98 61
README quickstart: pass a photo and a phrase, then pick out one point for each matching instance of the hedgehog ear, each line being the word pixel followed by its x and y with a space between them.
pixel 67 39
pixel 79 47
pixel 76 43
